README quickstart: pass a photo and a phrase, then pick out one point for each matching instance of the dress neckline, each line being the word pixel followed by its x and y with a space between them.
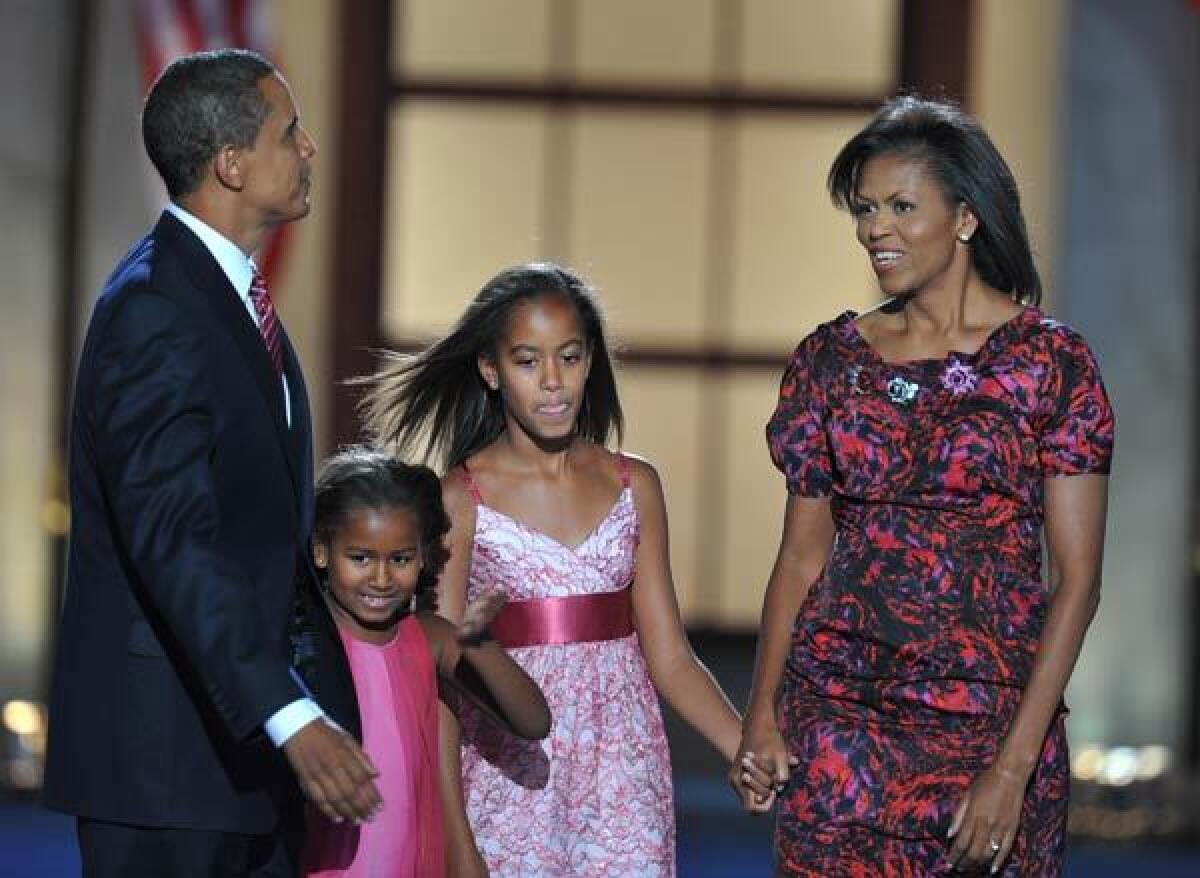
pixel 538 532
pixel 993 338
pixel 347 634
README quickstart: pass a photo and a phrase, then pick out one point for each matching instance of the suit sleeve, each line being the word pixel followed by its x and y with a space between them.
pixel 154 426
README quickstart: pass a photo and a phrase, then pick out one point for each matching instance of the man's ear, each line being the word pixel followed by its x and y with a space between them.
pixel 229 166
pixel 487 370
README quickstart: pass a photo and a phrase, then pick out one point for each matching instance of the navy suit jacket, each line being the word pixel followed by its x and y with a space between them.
pixel 189 582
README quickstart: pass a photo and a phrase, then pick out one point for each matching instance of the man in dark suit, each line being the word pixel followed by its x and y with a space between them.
pixel 174 689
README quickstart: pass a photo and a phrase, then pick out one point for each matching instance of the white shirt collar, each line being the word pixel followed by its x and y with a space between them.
pixel 237 266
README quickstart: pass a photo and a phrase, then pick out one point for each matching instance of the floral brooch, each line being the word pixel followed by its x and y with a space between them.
pixel 902 392
pixel 959 378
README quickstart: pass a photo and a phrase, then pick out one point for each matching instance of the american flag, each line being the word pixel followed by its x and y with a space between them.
pixel 167 29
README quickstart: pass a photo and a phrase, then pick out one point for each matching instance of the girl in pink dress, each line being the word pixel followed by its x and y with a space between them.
pixel 378 542
pixel 521 398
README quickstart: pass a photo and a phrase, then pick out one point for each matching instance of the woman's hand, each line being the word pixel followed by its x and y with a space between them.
pixel 762 765
pixel 985 824
pixel 479 615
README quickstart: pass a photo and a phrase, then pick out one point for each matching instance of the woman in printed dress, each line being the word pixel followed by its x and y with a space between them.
pixel 908 686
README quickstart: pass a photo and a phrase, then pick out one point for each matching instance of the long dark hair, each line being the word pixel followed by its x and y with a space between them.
pixel 359 477
pixel 438 398
pixel 970 170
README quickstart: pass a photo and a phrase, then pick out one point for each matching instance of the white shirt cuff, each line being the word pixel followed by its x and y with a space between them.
pixel 288 720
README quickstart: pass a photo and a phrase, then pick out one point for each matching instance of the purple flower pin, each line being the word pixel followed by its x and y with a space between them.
pixel 959 378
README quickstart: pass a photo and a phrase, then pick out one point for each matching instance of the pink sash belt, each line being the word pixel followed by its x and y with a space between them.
pixel 574 619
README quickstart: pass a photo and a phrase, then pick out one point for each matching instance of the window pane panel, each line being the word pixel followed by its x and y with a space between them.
pixel 663 410
pixel 638 219
pixel 796 261
pixel 471 39
pixel 848 47
pixel 754 497
pixel 663 42
pixel 464 201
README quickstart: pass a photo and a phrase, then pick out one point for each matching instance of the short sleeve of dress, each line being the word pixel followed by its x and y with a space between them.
pixel 796 433
pixel 1079 427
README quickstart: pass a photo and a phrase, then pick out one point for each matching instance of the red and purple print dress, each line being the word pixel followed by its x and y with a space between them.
pixel 911 650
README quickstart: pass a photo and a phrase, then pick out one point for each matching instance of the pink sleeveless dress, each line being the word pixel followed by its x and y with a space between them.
pixel 594 798
pixel 398 700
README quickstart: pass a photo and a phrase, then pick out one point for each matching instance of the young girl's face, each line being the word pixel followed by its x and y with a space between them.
pixel 540 367
pixel 372 562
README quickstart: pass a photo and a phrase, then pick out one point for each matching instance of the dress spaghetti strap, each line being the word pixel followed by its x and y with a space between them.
pixel 625 469
pixel 472 488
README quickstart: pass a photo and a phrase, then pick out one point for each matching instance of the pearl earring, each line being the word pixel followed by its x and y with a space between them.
pixel 965 237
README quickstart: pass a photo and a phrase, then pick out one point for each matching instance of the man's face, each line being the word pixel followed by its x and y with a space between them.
pixel 278 167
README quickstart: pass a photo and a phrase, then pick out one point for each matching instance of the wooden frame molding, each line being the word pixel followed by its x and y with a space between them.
pixel 934 56
pixel 357 266
pixel 935 48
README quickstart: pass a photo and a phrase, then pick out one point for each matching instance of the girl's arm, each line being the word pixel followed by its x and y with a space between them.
pixel 479 669
pixel 462 856
pixel 804 548
pixel 676 671
pixel 1076 507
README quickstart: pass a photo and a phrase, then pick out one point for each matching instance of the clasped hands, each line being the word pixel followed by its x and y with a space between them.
pixel 761 768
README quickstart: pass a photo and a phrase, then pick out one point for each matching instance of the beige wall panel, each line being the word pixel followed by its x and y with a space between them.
pixel 307 51
pixel 755 495
pixel 663 410
pixel 31 182
pixel 1016 68
pixel 638 219
pixel 464 201
pixel 468 39
pixel 847 47
pixel 666 41
pixel 796 261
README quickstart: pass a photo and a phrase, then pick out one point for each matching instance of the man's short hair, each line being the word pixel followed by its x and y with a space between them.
pixel 200 104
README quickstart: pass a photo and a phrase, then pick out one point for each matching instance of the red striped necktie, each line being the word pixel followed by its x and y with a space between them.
pixel 268 323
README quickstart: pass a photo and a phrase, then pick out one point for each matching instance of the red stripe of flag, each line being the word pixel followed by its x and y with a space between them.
pixel 189 23
pixel 238 30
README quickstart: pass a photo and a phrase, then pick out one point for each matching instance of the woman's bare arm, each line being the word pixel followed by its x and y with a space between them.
pixel 804 548
pixel 1076 507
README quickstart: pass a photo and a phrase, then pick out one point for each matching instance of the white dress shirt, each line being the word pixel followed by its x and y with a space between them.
pixel 239 268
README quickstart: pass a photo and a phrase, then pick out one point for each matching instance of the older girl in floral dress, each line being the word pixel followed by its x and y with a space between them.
pixel 522 398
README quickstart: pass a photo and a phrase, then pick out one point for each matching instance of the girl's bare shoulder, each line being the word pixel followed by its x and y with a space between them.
pixel 456 491
pixel 643 475
pixel 442 638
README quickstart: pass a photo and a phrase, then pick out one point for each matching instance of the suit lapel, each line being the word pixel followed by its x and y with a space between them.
pixel 300 452
pixel 214 287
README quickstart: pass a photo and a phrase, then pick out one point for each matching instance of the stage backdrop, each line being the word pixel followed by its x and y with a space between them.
pixel 1092 102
